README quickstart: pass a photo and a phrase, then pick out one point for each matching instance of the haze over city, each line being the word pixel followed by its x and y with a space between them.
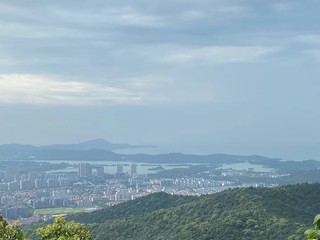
pixel 148 120
pixel 218 76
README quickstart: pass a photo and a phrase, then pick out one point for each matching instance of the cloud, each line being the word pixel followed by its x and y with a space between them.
pixel 213 15
pixel 314 53
pixel 221 54
pixel 72 19
pixel 135 91
pixel 280 7
pixel 313 39
pixel 163 90
pixel 29 31
pixel 7 62
pixel 106 17
pixel 44 90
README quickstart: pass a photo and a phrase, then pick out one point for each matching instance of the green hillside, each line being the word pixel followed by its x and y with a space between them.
pixel 251 213
pixel 137 207
pixel 245 214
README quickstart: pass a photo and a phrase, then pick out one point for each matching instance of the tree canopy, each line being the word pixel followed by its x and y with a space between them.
pixel 314 233
pixel 10 232
pixel 60 229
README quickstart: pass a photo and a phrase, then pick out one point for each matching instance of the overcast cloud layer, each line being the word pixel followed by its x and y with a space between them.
pixel 231 76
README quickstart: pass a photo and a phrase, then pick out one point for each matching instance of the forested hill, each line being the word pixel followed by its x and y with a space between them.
pixel 247 213
pixel 137 207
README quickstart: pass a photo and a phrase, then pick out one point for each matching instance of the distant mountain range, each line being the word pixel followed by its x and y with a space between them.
pixel 101 150
pixel 96 149
pixel 95 144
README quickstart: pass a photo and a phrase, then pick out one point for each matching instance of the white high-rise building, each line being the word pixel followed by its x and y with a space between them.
pixel 81 169
pixel 119 168
pixel 133 170
pixel 84 170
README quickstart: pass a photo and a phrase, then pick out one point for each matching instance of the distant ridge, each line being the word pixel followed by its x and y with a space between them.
pixel 98 143
pixel 102 150
pixel 96 149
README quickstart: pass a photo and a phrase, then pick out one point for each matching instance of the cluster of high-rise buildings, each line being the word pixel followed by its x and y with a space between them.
pixel 22 191
pixel 87 171
pixel 12 173
pixel 12 180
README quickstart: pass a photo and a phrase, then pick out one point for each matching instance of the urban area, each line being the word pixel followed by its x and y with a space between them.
pixel 28 196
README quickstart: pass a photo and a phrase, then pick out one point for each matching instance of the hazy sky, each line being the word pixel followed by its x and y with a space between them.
pixel 197 76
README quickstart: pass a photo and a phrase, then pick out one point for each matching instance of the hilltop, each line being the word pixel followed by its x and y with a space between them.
pixel 138 207
pixel 246 213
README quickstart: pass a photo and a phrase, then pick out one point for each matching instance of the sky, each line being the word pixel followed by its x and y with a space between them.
pixel 191 76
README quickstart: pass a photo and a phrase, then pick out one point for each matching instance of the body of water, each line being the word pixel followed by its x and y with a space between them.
pixel 247 166
pixel 111 166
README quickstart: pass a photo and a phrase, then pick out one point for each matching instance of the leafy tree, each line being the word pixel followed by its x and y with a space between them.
pixel 10 232
pixel 314 233
pixel 60 229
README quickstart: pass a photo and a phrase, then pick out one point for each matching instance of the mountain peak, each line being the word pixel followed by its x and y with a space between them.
pixel 96 141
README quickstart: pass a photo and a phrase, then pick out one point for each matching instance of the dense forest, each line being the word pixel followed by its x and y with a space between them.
pixel 245 213
pixel 137 207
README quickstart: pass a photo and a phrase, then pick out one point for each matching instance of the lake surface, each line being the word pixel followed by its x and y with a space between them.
pixel 111 166
pixel 247 166
pixel 145 168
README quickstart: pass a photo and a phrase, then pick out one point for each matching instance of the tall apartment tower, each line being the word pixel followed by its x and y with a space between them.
pixel 119 168
pixel 84 170
pixel 33 176
pixel 133 170
pixel 100 171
